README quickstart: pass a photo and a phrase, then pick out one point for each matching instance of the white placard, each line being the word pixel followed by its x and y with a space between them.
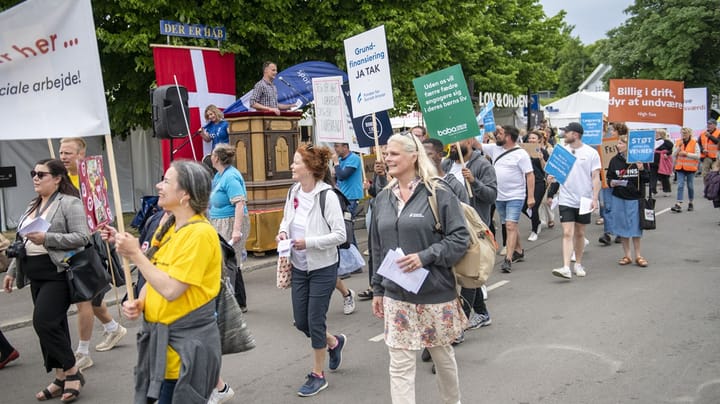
pixel 330 123
pixel 695 111
pixel 51 78
pixel 368 70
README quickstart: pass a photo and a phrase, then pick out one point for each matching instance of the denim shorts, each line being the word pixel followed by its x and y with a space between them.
pixel 509 210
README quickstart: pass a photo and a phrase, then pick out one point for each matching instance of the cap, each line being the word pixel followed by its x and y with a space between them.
pixel 573 127
pixel 712 122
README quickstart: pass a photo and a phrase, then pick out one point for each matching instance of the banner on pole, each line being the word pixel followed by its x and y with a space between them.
pixel 209 78
pixel 362 125
pixel 592 123
pixel 330 123
pixel 648 101
pixel 641 146
pixel 93 192
pixel 52 83
pixel 446 105
pixel 368 70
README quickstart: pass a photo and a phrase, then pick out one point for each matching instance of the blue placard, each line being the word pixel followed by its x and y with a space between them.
pixel 560 163
pixel 362 125
pixel 592 123
pixel 490 105
pixel 174 28
pixel 489 122
pixel 641 146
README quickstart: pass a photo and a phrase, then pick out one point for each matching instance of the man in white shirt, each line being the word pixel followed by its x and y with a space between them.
pixel 583 182
pixel 515 182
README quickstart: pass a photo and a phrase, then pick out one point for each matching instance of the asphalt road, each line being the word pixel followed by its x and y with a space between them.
pixel 619 335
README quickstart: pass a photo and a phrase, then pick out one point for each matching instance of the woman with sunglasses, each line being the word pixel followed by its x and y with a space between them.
pixel 432 318
pixel 43 264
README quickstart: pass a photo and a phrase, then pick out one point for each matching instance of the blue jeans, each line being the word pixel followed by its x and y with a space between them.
pixel 167 388
pixel 509 211
pixel 311 292
pixel 353 206
pixel 683 176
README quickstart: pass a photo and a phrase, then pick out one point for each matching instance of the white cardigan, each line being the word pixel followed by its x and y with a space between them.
pixel 322 235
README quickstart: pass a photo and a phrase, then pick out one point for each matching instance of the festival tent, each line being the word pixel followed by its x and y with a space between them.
pixel 568 109
pixel 293 84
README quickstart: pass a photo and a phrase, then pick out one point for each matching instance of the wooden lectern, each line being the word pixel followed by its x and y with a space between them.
pixel 265 144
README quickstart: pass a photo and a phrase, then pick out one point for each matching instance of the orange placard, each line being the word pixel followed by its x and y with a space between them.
pixel 651 101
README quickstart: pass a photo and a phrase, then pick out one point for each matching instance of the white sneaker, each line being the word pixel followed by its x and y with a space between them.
pixel 111 339
pixel 503 251
pixel 349 303
pixel 579 270
pixel 563 272
pixel 82 361
pixel 533 236
pixel 217 397
pixel 572 257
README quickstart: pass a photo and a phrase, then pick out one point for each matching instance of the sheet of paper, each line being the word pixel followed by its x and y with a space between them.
pixel 529 212
pixel 555 202
pixel 284 247
pixel 38 224
pixel 585 205
pixel 410 281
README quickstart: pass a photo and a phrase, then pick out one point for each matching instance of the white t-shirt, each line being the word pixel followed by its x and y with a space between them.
pixel 298 258
pixel 510 170
pixel 456 170
pixel 579 181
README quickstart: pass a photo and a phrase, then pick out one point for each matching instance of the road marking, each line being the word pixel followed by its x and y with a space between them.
pixel 666 210
pixel 494 286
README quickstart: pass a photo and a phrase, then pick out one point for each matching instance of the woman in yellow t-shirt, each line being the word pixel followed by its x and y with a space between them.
pixel 182 268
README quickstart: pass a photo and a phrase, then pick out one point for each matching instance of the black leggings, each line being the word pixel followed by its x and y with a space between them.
pixel 539 193
pixel 5 348
pixel 51 297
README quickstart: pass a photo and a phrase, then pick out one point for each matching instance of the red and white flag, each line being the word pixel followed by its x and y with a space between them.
pixel 209 78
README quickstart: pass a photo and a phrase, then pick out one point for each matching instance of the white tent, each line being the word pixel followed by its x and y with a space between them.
pixel 568 109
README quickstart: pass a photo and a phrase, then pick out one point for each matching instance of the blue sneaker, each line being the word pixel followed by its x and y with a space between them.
pixel 336 353
pixel 313 385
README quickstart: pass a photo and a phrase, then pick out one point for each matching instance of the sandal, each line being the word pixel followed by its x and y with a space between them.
pixel 365 294
pixel 625 261
pixel 49 395
pixel 551 224
pixel 600 221
pixel 641 262
pixel 73 393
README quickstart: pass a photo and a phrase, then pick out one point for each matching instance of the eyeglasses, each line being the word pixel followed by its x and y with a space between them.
pixel 40 174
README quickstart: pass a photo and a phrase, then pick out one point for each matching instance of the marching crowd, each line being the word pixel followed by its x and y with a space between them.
pixel 180 261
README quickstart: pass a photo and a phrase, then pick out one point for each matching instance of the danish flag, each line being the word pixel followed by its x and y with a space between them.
pixel 209 78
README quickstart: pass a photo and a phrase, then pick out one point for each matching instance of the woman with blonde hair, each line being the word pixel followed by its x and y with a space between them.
pixel 216 128
pixel 687 156
pixel 432 318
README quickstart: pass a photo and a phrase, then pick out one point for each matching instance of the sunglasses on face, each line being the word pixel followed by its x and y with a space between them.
pixel 39 174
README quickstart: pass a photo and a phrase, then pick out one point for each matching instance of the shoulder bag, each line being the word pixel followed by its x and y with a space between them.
pixel 235 336
pixel 86 275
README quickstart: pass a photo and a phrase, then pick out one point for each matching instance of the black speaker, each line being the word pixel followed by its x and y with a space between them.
pixel 168 104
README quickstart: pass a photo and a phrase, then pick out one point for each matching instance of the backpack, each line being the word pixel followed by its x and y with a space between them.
pixel 475 267
pixel 347 216
pixel 148 207
pixel 712 186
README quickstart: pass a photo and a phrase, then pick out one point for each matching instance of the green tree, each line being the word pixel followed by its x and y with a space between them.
pixel 669 40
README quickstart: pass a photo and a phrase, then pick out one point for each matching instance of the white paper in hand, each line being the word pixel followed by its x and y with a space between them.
pixel 554 203
pixel 410 281
pixel 585 205
pixel 37 225
pixel 284 247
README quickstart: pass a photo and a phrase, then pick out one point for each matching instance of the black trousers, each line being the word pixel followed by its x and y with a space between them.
pixel 655 176
pixel 473 300
pixel 5 348
pixel 538 195
pixel 51 299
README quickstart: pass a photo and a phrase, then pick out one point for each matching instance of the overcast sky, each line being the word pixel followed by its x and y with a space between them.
pixel 592 19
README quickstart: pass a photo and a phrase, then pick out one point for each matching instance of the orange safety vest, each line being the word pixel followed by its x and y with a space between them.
pixel 685 163
pixel 710 149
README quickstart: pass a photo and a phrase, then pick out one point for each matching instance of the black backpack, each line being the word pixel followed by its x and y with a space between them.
pixel 347 216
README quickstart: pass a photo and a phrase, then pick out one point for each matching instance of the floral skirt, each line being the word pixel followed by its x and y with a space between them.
pixel 416 326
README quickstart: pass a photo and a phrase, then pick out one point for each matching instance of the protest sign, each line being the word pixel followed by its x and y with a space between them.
pixel 330 123
pixel 641 146
pixel 695 110
pixel 560 163
pixel 650 101
pixel 592 123
pixel 363 127
pixel 368 70
pixel 93 192
pixel 446 105
pixel 489 122
pixel 50 69
pixel 532 149
pixel 607 151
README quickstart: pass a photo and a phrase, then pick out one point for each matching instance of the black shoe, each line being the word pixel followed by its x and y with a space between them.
pixel 676 208
pixel 425 355
pixel 518 256
pixel 365 294
pixel 618 239
pixel 605 239
pixel 357 271
pixel 506 266
pixel 690 207
pixel 432 369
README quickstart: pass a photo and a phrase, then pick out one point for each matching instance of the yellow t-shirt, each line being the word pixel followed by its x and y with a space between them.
pixel 75 179
pixel 191 255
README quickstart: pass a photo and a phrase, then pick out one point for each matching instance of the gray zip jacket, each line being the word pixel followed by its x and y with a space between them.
pixel 484 188
pixel 414 232
pixel 196 338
